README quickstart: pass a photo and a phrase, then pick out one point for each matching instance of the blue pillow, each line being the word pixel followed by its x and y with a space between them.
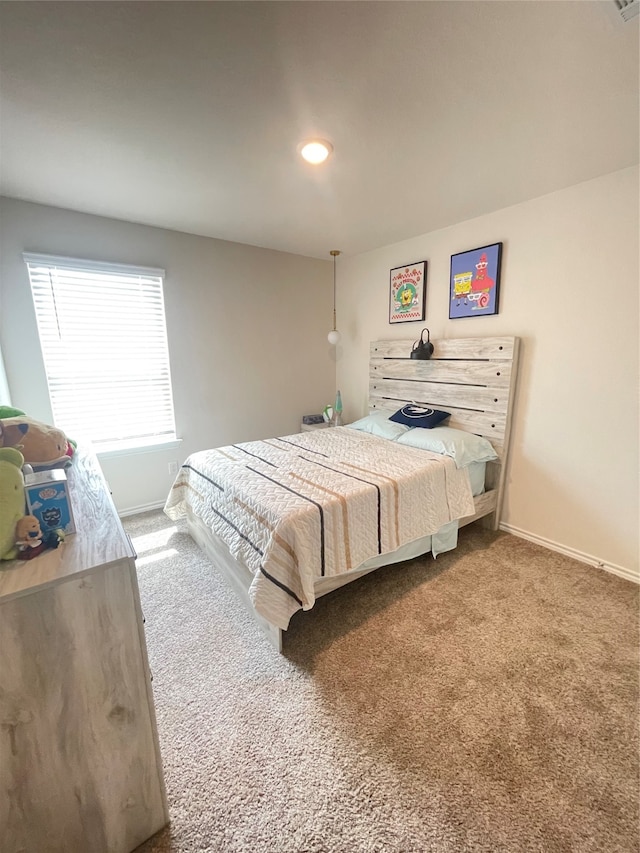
pixel 413 415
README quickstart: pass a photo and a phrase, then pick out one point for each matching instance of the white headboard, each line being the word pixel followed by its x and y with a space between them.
pixel 473 378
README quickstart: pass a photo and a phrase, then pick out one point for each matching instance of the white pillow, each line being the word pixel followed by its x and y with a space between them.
pixel 379 424
pixel 463 447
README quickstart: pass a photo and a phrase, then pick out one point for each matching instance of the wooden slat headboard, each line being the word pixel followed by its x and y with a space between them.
pixel 473 378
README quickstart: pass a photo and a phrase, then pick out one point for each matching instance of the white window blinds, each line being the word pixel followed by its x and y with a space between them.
pixel 104 343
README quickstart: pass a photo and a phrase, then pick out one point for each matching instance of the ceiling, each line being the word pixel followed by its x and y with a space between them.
pixel 187 115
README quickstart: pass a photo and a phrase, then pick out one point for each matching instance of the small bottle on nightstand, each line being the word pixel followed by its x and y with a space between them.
pixel 337 410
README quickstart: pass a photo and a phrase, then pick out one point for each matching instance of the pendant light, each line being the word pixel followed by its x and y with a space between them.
pixel 334 335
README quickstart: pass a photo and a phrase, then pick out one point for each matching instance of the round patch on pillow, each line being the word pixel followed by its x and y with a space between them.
pixel 413 415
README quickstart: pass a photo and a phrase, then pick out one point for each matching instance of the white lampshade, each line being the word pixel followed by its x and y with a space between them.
pixel 334 337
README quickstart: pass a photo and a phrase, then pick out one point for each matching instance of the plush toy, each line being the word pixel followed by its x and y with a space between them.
pixel 28 533
pixel 42 446
pixel 30 539
pixel 12 503
pixel 10 412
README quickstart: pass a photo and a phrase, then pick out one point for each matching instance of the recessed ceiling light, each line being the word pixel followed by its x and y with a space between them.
pixel 315 150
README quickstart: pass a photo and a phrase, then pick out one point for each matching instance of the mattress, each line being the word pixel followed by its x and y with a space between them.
pixel 313 505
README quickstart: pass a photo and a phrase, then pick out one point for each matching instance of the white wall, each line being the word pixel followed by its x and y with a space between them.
pixel 569 289
pixel 246 327
pixel 247 338
pixel 5 396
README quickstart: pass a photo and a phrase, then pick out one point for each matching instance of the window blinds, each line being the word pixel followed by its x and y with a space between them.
pixel 104 343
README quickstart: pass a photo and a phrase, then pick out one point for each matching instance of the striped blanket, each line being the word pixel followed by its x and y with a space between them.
pixel 314 504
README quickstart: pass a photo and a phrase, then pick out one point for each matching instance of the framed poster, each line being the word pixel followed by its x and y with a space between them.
pixel 407 290
pixel 474 283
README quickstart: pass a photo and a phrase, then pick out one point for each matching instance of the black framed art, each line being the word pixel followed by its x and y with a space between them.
pixel 474 282
pixel 407 292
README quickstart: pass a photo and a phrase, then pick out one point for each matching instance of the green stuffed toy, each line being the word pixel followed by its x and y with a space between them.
pixel 12 503
pixel 10 412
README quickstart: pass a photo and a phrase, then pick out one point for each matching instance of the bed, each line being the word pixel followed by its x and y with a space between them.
pixel 291 518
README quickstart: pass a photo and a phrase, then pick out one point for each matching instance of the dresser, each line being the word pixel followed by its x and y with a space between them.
pixel 80 765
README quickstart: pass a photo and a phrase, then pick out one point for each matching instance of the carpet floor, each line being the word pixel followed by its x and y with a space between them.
pixel 486 701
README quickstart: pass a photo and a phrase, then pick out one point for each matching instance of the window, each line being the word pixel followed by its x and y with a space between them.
pixel 104 343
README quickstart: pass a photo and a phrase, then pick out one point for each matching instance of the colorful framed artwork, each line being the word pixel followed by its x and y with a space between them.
pixel 407 291
pixel 474 284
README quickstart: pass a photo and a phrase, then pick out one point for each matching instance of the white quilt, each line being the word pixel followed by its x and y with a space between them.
pixel 303 506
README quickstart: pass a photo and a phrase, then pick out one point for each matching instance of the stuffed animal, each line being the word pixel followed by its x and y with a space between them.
pixel 12 502
pixel 42 446
pixel 10 412
pixel 28 533
pixel 30 539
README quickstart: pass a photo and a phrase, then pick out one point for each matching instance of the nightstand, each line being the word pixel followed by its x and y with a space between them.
pixel 310 427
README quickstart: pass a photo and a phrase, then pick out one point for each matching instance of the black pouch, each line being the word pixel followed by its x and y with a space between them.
pixel 422 349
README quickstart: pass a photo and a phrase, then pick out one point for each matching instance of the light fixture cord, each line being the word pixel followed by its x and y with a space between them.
pixel 334 293
pixel 334 253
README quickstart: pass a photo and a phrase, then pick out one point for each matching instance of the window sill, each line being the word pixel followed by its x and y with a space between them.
pixel 114 450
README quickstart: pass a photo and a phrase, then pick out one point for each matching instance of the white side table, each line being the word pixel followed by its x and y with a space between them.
pixel 310 427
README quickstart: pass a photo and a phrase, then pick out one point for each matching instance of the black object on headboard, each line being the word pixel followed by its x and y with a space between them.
pixel 422 349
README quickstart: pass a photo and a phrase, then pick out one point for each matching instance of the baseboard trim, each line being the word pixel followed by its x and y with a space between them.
pixel 135 510
pixel 627 574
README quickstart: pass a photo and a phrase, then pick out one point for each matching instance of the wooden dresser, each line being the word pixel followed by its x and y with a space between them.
pixel 80 766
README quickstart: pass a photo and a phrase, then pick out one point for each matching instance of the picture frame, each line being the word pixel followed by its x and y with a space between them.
pixel 474 282
pixel 407 292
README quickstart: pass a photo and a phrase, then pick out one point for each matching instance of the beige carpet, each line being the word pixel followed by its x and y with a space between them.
pixel 486 701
